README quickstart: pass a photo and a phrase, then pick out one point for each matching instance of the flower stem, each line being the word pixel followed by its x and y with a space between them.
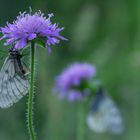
pixel 31 96
pixel 81 121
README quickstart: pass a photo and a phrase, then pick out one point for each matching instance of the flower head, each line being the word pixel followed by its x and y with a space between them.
pixel 72 83
pixel 28 27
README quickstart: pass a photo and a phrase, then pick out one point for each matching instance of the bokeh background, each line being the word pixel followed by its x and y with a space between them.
pixel 105 33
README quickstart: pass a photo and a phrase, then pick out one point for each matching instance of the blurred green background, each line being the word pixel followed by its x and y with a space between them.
pixel 105 33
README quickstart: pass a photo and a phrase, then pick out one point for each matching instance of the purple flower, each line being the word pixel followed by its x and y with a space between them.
pixel 28 27
pixel 72 83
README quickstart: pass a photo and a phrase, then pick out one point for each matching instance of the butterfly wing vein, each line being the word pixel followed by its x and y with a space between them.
pixel 12 86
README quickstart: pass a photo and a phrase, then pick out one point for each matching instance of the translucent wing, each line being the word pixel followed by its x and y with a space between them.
pixel 105 117
pixel 12 85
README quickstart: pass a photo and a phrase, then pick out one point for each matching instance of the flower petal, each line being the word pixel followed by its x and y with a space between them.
pixel 52 41
pixel 62 38
pixel 9 41
pixel 48 47
pixel 4 30
pixel 32 36
pixel 2 37
pixel 20 44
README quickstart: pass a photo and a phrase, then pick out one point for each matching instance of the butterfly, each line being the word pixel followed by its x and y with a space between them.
pixel 14 81
pixel 104 115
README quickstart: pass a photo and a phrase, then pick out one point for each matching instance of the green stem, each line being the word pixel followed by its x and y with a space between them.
pixel 31 96
pixel 81 121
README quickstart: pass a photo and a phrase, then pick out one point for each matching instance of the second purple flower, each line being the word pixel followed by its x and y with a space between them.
pixel 72 84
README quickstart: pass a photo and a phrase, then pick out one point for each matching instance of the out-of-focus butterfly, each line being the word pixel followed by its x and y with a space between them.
pixel 104 115
pixel 14 81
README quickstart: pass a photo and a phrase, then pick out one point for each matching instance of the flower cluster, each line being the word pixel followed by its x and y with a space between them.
pixel 71 84
pixel 28 27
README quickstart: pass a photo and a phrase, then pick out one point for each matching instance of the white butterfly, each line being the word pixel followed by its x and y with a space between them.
pixel 14 82
pixel 104 115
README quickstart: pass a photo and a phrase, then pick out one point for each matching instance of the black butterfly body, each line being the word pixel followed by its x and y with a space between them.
pixel 14 81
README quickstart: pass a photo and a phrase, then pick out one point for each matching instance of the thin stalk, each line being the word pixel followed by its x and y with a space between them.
pixel 31 96
pixel 81 121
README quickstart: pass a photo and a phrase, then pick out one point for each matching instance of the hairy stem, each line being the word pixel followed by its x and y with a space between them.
pixel 81 121
pixel 30 98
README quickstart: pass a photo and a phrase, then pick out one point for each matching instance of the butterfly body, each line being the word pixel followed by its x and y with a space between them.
pixel 16 57
pixel 14 83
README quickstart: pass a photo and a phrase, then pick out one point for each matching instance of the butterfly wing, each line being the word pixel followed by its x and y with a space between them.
pixel 106 118
pixel 12 86
pixel 113 115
